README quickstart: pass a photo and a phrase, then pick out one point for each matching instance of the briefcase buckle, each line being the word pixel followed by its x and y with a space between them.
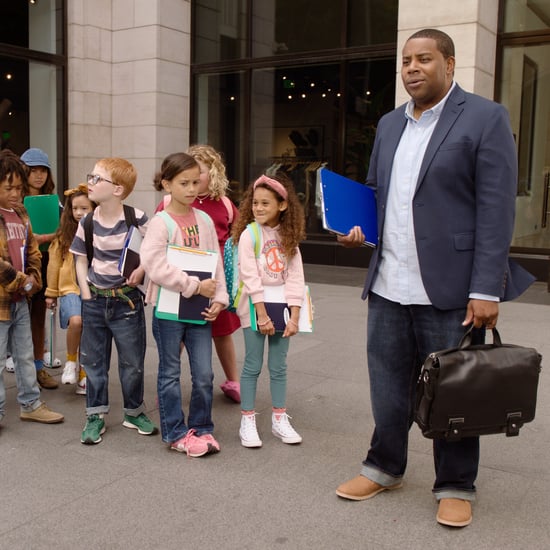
pixel 513 424
pixel 455 428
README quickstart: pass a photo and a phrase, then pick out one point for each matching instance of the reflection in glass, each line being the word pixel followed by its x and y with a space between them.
pixel 219 30
pixel 38 25
pixel 218 122
pixel 526 16
pixel 372 22
pixel 524 93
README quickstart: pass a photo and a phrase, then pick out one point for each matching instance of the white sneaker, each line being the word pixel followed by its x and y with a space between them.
pixel 248 432
pixel 81 387
pixel 70 373
pixel 47 361
pixel 10 367
pixel 282 429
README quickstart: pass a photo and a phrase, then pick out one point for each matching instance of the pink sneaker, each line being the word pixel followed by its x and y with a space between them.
pixel 191 444
pixel 213 445
pixel 232 390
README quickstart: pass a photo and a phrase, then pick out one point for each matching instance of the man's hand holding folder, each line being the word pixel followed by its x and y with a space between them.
pixel 353 239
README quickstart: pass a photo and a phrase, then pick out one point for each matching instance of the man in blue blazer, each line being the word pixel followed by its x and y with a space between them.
pixel 445 173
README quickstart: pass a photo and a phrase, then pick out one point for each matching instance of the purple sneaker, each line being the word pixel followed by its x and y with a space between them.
pixel 232 390
pixel 191 444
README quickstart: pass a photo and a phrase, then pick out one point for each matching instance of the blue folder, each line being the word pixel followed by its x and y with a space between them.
pixel 345 204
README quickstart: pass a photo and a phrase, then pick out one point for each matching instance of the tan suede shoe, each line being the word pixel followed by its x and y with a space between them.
pixel 45 380
pixel 43 415
pixel 454 512
pixel 362 488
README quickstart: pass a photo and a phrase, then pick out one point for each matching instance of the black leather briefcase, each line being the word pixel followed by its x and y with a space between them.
pixel 476 390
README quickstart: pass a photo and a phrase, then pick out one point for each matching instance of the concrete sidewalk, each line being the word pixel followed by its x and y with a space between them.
pixel 131 492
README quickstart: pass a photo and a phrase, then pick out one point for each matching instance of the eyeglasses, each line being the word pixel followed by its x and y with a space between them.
pixel 94 179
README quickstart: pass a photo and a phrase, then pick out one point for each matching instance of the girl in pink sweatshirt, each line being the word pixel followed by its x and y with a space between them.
pixel 272 204
pixel 183 225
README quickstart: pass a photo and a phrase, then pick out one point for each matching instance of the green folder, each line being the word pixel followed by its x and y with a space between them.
pixel 44 214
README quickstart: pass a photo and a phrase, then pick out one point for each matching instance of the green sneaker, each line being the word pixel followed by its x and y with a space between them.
pixel 140 423
pixel 95 427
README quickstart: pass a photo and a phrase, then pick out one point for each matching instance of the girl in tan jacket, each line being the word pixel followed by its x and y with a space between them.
pixel 62 282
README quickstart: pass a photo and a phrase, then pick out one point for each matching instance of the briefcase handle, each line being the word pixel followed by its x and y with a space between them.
pixel 466 340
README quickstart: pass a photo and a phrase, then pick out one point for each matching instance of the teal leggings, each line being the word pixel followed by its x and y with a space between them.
pixel 276 363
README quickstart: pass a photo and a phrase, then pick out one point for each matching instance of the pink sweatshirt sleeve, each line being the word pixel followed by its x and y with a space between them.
pixel 161 273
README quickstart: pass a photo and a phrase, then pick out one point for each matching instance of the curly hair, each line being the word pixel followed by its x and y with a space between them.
pixel 10 166
pixel 217 178
pixel 291 221
pixel 67 224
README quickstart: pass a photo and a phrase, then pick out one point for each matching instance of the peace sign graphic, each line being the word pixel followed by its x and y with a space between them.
pixel 274 260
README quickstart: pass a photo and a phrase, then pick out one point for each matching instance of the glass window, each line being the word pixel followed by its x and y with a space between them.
pixel 14 104
pixel 521 16
pixel 30 108
pixel 219 30
pixel 370 93
pixel 525 79
pixel 294 126
pixel 35 25
pixel 372 22
pixel 289 26
pixel 219 119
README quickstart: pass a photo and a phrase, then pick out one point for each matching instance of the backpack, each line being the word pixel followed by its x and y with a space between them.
pixel 231 265
pixel 129 217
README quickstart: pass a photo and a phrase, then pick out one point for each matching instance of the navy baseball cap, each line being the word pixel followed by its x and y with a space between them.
pixel 35 157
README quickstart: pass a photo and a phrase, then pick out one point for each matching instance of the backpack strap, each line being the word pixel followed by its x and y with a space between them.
pixel 173 226
pixel 129 218
pixel 89 236
pixel 254 229
pixel 237 285
pixel 229 207
pixel 129 215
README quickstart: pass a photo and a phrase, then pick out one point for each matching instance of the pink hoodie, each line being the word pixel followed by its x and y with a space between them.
pixel 161 273
pixel 272 268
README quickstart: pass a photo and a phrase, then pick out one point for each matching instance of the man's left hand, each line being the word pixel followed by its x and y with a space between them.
pixel 481 313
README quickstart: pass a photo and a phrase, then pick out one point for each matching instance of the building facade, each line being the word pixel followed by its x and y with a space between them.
pixel 284 84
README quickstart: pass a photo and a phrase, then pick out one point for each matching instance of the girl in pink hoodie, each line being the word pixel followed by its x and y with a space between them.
pixel 272 204
pixel 183 225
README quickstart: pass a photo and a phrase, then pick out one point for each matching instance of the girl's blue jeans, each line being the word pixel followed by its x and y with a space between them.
pixel 276 362
pixel 198 345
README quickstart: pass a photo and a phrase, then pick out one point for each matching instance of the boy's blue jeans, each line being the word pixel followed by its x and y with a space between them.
pixel 17 333
pixel 198 345
pixel 276 363
pixel 105 319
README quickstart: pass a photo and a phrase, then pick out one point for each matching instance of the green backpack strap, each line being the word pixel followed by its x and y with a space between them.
pixel 171 225
pixel 254 229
